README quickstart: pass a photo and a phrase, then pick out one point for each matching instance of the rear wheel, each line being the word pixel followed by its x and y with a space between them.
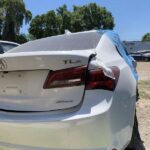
pixel 136 142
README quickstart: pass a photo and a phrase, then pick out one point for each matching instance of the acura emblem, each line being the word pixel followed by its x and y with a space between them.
pixel 3 64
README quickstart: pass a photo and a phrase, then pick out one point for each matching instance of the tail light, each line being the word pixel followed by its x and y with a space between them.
pixel 66 78
pixel 98 79
pixel 92 79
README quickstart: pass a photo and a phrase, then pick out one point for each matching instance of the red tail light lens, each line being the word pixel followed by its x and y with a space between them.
pixel 97 79
pixel 66 78
pixel 92 79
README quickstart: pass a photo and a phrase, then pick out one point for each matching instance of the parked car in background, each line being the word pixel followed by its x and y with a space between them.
pixel 143 55
pixel 76 91
pixel 6 46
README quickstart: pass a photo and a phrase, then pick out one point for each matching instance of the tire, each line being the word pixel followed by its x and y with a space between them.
pixel 136 142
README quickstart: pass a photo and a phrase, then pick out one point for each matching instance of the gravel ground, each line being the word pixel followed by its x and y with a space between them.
pixel 143 112
pixel 143 105
pixel 143 69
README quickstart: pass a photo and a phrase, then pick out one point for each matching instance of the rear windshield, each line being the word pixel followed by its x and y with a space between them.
pixel 77 41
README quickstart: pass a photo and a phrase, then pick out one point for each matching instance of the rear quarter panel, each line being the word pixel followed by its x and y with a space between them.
pixel 122 111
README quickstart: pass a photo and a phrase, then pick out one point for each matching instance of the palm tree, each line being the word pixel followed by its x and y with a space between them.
pixel 15 14
pixel 1 19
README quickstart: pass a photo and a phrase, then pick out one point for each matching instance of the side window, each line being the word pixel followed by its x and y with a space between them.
pixel 6 46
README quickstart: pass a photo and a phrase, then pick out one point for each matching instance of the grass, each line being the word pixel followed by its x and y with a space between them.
pixel 144 95
pixel 144 89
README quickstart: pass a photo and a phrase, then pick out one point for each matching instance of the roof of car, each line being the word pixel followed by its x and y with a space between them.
pixel 1 41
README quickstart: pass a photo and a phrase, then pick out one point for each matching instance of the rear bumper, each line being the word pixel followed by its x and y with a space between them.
pixel 90 128
pixel 7 146
pixel 90 133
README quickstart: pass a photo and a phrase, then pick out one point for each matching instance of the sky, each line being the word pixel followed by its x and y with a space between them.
pixel 132 17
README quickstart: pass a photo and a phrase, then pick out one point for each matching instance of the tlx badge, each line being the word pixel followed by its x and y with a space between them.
pixel 3 64
pixel 69 61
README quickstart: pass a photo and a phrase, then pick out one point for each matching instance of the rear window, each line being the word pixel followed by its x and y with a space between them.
pixel 75 41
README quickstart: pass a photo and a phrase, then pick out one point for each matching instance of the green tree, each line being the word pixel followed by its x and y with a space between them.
pixel 1 25
pixel 30 37
pixel 146 37
pixel 51 24
pixel 64 17
pixel 77 22
pixel 37 26
pixel 21 38
pixel 14 14
pixel 1 18
pixel 82 18
pixel 91 16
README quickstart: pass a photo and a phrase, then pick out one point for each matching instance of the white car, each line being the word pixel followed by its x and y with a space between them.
pixel 6 46
pixel 75 91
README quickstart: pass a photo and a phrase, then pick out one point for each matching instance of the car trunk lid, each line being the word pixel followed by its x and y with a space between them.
pixel 22 77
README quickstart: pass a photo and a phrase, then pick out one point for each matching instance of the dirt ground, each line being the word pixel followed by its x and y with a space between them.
pixel 143 69
pixel 143 105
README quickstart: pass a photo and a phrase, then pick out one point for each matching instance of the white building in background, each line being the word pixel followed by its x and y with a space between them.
pixel 134 46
